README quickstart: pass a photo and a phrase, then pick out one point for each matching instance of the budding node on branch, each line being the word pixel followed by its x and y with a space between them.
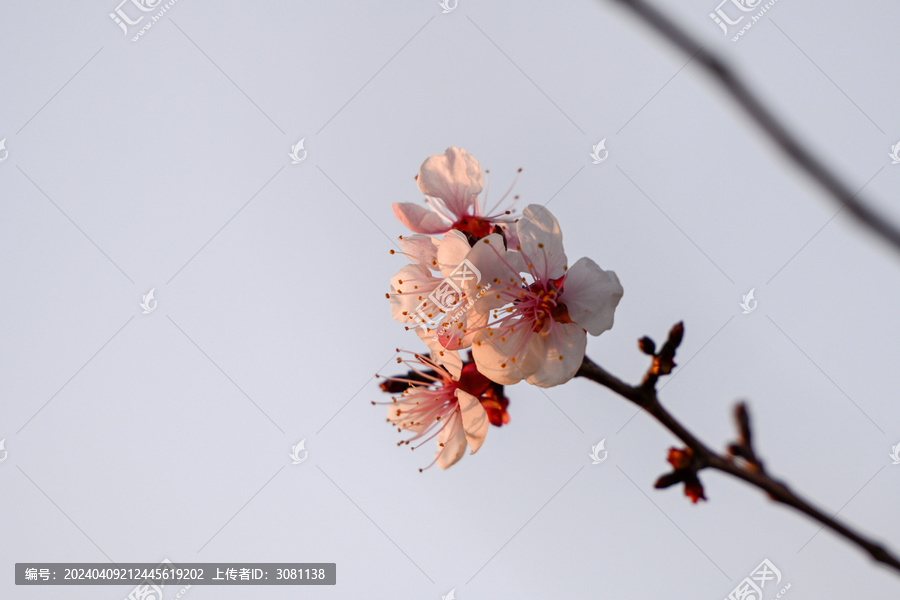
pixel 664 360
pixel 684 471
pixel 743 447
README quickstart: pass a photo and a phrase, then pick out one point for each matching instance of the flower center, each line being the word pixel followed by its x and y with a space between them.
pixel 477 227
pixel 542 303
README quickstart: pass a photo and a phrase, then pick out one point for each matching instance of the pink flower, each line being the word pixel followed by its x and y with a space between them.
pixel 412 284
pixel 452 182
pixel 435 405
pixel 417 300
pixel 538 323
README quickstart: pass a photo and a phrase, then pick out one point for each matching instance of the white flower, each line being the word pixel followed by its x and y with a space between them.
pixel 411 297
pixel 538 323
pixel 451 183
pixel 440 321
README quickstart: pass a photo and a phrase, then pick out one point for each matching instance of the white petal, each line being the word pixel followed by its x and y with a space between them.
pixel 413 280
pixel 452 251
pixel 419 219
pixel 472 322
pixel 499 358
pixel 512 235
pixel 468 276
pixel 420 249
pixel 474 419
pixel 459 327
pixel 451 442
pixel 499 269
pixel 454 177
pixel 406 297
pixel 541 241
pixel 591 295
pixel 449 359
pixel 562 353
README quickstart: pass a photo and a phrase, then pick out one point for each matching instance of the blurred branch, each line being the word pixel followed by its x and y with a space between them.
pixel 758 112
pixel 741 462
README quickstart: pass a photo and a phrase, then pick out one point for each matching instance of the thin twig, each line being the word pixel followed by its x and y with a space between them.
pixel 743 464
pixel 766 120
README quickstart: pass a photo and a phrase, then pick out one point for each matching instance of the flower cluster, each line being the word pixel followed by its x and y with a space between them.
pixel 496 284
pixel 455 410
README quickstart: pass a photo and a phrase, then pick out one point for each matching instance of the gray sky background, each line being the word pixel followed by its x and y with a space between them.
pixel 164 164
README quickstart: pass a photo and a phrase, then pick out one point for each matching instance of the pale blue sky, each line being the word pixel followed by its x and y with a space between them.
pixel 164 164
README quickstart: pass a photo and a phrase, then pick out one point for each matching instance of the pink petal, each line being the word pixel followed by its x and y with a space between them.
pixel 419 219
pixel 591 295
pixel 494 351
pixel 511 233
pixel 474 419
pixel 451 442
pixel 452 251
pixel 568 341
pixel 499 269
pixel 449 359
pixel 417 283
pixel 454 177
pixel 541 241
pixel 420 249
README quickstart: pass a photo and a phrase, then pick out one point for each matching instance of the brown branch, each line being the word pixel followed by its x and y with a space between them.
pixel 742 463
pixel 758 112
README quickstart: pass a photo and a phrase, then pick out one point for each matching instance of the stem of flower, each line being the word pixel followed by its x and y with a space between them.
pixel 750 471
